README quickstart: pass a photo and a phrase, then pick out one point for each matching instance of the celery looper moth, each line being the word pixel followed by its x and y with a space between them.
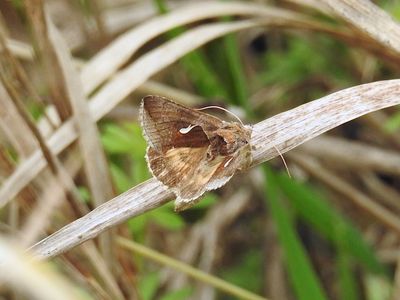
pixel 189 151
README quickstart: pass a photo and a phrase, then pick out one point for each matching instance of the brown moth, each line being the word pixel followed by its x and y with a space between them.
pixel 190 151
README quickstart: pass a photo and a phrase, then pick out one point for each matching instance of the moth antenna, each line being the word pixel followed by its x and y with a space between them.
pixel 221 108
pixel 284 162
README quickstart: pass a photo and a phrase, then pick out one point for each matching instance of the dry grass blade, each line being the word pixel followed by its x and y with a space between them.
pixel 222 285
pixel 39 219
pixel 20 49
pixel 55 165
pixel 355 154
pixel 152 62
pixel 284 131
pixel 34 278
pixel 107 62
pixel 115 91
pixel 135 201
pixel 213 229
pixel 93 155
pixel 101 267
pixel 19 136
pixel 360 199
pixel 36 13
pixel 380 190
pixel 369 18
pixel 63 180
pixel 311 119
pixel 94 159
pixel 314 4
pixel 14 127
pixel 202 241
pixel 29 168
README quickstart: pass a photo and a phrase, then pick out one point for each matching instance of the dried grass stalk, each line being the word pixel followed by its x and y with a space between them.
pixel 284 131
pixel 370 19
pixel 94 160
pixel 33 278
pixel 357 155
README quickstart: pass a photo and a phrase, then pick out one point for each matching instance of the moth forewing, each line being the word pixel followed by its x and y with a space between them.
pixel 189 151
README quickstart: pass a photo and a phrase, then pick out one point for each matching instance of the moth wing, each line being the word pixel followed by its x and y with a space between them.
pixel 187 172
pixel 228 167
pixel 181 169
pixel 238 161
pixel 209 176
pixel 163 120
pixel 179 158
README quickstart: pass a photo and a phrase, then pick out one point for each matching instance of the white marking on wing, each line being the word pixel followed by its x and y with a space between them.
pixel 228 162
pixel 186 130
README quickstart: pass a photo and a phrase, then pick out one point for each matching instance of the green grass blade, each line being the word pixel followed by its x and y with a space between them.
pixel 305 282
pixel 345 267
pixel 316 211
pixel 239 84
pixel 393 123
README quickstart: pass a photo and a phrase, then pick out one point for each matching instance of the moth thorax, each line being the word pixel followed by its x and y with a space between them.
pixel 231 137
pixel 224 143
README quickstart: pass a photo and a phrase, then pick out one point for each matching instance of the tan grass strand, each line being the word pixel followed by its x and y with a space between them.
pixel 284 131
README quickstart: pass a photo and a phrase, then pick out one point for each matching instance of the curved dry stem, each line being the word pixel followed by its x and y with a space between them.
pixel 370 19
pixel 363 201
pixel 284 131
pixel 108 61
pixel 294 127
pixel 357 155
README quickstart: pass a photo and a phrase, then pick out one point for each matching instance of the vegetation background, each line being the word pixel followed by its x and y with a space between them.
pixel 71 79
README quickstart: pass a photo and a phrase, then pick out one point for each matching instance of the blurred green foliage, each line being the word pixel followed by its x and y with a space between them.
pixel 315 210
pixel 247 272
pixel 289 200
pixel 149 284
pixel 302 58
pixel 305 282
pixel 393 123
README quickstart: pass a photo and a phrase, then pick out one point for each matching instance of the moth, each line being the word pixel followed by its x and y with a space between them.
pixel 190 151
